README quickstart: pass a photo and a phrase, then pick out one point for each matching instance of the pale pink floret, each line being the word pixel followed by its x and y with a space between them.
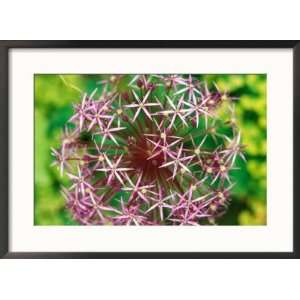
pixel 108 132
pixel 176 111
pixel 114 170
pixel 142 105
pixel 178 161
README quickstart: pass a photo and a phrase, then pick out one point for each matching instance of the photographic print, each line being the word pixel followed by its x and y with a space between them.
pixel 150 149
pixel 175 144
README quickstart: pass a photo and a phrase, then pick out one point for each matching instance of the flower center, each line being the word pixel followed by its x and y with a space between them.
pixel 222 168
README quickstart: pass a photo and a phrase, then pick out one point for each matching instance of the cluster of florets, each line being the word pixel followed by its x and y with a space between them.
pixel 150 150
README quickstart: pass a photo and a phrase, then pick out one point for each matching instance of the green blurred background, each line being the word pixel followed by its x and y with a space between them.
pixel 53 108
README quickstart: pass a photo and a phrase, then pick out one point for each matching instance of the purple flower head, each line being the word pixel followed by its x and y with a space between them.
pixel 150 150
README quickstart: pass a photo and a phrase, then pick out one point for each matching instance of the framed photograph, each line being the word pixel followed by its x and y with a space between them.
pixel 149 149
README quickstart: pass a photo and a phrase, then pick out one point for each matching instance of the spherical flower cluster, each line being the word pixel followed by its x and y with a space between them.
pixel 150 150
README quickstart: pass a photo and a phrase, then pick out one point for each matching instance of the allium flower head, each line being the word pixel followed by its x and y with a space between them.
pixel 150 150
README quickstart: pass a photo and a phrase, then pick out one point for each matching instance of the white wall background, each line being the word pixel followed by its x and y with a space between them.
pixel 104 279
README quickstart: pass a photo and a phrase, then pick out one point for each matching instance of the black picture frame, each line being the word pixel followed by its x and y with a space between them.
pixel 5 46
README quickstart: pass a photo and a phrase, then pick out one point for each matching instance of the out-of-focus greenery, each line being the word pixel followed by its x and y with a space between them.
pixel 54 96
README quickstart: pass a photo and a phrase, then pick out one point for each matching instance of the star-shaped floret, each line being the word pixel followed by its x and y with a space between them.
pixel 142 81
pixel 61 159
pixel 108 132
pixel 137 189
pixel 162 138
pixel 97 113
pixel 78 204
pixel 163 143
pixel 216 201
pixel 80 114
pixel 161 147
pixel 98 207
pixel 198 108
pixel 69 138
pixel 197 149
pixel 191 88
pixel 99 157
pixel 176 111
pixel 80 182
pixel 114 170
pixel 178 161
pixel 160 202
pixel 232 121
pixel 119 111
pixel 187 211
pixel 171 81
pixel 233 150
pixel 222 195
pixel 224 96
pixel 129 215
pixel 142 105
pixel 81 110
pixel 221 171
pixel 196 185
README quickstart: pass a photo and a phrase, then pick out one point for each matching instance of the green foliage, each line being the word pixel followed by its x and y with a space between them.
pixel 249 194
pixel 54 96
